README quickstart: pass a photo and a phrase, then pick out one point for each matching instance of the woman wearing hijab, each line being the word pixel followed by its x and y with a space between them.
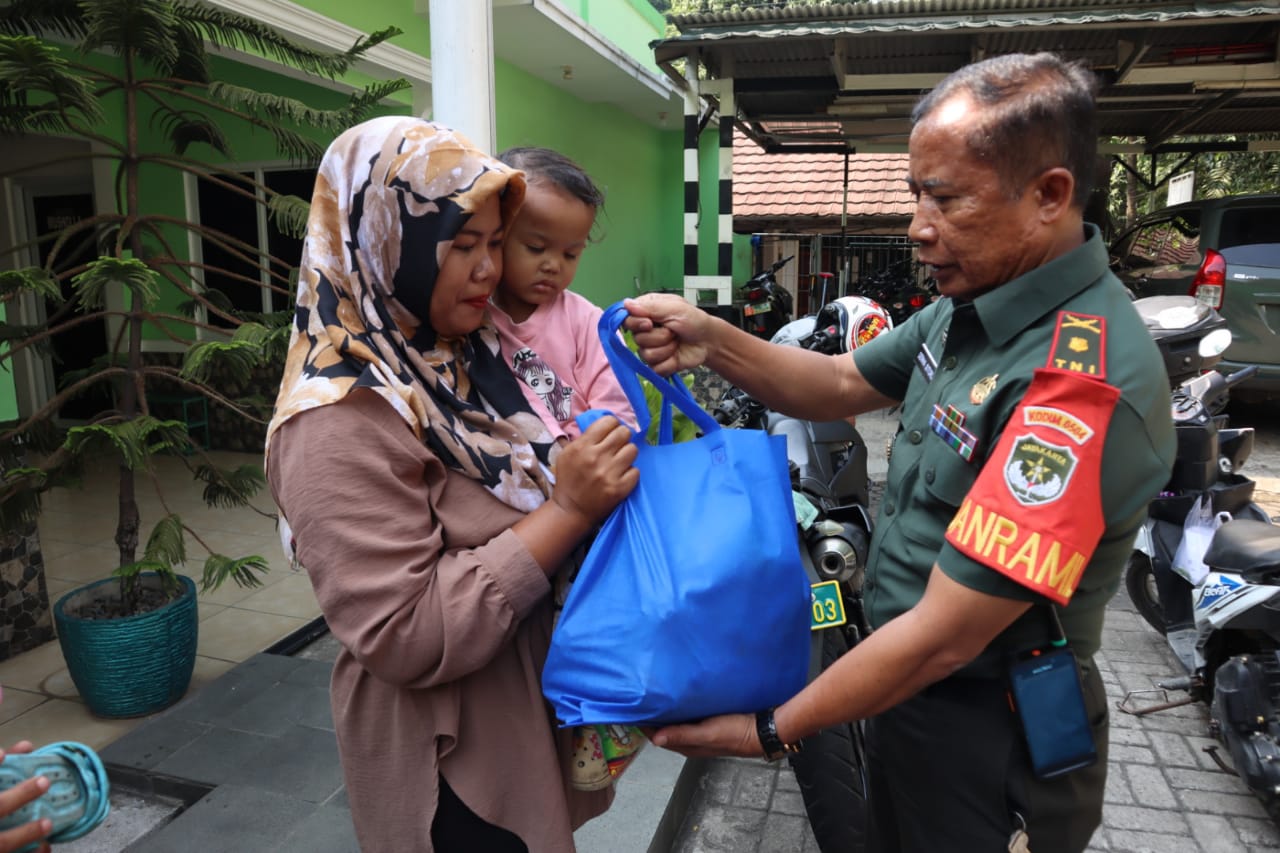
pixel 423 501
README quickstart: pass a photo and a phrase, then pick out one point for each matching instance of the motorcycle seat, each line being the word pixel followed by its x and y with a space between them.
pixel 807 449
pixel 1247 547
pixel 832 432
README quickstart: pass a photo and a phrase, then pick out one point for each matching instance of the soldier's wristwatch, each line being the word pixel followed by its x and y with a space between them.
pixel 767 731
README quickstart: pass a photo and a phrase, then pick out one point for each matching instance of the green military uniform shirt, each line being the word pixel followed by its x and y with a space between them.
pixel 974 362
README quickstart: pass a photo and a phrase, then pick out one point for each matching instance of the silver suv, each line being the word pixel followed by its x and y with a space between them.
pixel 1226 253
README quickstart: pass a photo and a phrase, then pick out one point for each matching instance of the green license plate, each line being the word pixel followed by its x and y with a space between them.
pixel 757 308
pixel 827 606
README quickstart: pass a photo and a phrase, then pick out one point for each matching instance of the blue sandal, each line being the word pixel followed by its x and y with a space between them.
pixel 79 794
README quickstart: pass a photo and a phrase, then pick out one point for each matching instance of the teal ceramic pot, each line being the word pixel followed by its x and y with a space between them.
pixel 130 666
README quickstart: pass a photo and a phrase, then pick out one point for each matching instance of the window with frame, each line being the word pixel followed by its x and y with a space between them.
pixel 254 281
pixel 1164 242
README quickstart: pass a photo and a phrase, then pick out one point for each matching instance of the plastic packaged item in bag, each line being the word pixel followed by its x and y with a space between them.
pixel 1197 532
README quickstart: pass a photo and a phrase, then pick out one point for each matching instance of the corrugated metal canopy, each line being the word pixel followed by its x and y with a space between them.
pixel 810 77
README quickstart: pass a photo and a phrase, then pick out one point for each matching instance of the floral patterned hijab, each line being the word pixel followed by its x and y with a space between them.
pixel 390 197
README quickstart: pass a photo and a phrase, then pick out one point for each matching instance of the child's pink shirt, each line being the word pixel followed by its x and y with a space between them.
pixel 557 357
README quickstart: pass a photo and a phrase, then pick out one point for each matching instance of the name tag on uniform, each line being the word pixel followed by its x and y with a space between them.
pixel 926 363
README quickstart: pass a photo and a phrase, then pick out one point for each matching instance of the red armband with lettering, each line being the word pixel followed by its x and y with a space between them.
pixel 1035 512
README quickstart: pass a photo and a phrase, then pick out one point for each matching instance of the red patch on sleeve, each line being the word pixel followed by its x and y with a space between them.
pixel 1035 512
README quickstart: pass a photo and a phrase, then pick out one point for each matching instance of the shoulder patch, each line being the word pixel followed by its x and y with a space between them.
pixel 1063 421
pixel 1079 345
pixel 1035 514
pixel 1038 472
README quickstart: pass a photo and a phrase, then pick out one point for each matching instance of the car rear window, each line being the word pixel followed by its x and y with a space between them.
pixel 1251 235
pixel 1163 242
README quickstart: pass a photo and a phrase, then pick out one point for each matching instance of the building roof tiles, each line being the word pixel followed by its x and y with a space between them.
pixel 811 185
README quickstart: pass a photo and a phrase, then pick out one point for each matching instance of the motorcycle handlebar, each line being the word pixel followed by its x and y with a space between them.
pixel 1206 393
pixel 765 278
pixel 1241 375
pixel 825 341
pixel 777 265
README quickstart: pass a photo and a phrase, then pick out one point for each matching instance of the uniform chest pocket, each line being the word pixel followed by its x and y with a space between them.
pixel 943 481
pixel 944 474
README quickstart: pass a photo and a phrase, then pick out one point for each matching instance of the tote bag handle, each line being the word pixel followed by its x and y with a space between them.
pixel 627 366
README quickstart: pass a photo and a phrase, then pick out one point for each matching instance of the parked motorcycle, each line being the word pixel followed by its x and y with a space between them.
pixel 1218 607
pixel 767 305
pixel 828 462
pixel 897 288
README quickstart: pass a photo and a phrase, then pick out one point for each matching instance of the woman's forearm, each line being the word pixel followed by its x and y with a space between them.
pixel 551 533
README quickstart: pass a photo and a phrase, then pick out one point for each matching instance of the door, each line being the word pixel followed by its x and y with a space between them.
pixel 81 346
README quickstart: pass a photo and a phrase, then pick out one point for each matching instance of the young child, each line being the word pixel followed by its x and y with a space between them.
pixel 551 342
pixel 548 332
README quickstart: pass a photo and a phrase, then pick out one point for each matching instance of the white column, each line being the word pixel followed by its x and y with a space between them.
pixel 462 90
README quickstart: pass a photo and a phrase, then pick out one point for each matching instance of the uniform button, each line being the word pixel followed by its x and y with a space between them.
pixel 928 476
pixel 888 509
pixel 916 436
pixel 870 584
pixel 949 362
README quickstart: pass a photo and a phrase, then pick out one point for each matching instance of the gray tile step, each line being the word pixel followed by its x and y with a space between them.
pixel 260 742
pixel 652 799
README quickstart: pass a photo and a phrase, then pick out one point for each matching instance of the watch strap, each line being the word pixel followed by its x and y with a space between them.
pixel 767 731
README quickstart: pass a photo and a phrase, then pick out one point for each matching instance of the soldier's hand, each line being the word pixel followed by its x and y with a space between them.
pixel 670 333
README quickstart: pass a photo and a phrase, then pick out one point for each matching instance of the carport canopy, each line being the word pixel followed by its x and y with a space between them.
pixel 844 77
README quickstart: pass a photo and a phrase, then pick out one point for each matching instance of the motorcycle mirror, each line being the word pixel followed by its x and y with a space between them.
pixel 1215 343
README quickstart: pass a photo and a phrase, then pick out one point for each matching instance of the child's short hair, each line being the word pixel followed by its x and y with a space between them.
pixel 547 165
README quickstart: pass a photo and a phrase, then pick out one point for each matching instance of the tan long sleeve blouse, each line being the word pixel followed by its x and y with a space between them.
pixel 444 618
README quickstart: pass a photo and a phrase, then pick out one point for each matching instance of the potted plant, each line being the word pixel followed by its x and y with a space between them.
pixel 129 640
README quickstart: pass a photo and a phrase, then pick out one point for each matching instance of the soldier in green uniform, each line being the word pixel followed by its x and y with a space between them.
pixel 1035 427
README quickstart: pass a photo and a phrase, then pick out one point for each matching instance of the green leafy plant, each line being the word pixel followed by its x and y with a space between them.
pixel 1139 182
pixel 135 79
pixel 682 429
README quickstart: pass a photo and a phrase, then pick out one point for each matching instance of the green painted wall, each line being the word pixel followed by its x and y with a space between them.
pixel 8 397
pixel 708 199
pixel 370 15
pixel 637 166
pixel 630 24
pixel 256 146
pixel 742 258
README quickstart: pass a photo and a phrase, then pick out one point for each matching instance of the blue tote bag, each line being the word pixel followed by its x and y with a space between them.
pixel 692 600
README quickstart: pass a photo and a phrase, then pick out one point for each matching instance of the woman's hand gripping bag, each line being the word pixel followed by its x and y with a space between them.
pixel 692 600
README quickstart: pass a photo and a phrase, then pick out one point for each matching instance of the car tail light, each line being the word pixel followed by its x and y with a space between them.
pixel 1209 285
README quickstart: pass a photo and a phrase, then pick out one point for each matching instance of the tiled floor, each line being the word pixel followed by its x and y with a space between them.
pixel 77 527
